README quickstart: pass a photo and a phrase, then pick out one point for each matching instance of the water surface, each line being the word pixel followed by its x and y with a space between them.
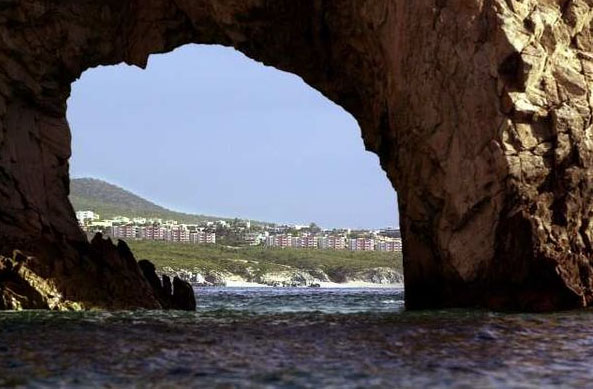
pixel 292 338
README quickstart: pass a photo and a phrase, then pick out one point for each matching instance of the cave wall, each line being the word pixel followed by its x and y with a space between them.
pixel 479 110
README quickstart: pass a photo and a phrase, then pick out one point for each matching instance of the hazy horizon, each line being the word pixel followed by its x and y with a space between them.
pixel 206 130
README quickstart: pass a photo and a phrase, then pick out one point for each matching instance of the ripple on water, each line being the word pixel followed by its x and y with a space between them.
pixel 296 338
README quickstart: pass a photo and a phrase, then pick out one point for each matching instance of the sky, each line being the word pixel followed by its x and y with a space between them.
pixel 204 129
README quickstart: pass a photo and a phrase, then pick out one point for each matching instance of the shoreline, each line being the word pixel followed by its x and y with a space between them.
pixel 322 285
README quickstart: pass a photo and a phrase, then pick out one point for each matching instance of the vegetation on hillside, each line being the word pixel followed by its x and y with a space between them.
pixel 109 200
pixel 335 263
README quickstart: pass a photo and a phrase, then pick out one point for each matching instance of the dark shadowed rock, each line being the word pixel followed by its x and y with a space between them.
pixel 183 295
pixel 21 288
pixel 167 285
pixel 149 272
pixel 95 275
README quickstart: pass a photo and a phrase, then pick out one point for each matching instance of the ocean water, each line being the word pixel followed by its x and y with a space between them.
pixel 296 338
pixel 271 301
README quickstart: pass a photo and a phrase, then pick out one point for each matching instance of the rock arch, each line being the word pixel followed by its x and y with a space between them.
pixel 479 110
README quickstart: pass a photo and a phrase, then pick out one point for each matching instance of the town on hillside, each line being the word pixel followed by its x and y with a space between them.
pixel 241 233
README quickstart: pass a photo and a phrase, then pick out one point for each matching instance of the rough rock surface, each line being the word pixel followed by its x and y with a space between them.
pixel 22 288
pixel 378 275
pixel 479 110
pixel 287 278
pixel 98 275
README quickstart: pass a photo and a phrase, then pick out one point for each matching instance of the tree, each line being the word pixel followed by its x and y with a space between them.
pixel 314 228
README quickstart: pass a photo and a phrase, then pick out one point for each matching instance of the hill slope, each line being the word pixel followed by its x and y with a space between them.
pixel 110 200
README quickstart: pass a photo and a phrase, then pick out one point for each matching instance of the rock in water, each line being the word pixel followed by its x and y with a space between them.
pixel 183 295
pixel 149 272
pixel 480 113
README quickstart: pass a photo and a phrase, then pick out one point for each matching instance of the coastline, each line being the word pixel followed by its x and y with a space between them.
pixel 292 278
pixel 322 285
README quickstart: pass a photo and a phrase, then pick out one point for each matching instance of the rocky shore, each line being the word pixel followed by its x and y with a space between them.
pixel 112 279
pixel 379 276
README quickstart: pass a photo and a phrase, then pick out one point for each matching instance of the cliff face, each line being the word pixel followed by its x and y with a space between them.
pixel 480 112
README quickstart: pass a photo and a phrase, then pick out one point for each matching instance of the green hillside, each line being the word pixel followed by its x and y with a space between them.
pixel 109 200
pixel 261 260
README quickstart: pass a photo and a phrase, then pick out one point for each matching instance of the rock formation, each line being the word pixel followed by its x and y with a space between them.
pixel 479 110
pixel 21 288
pixel 95 275
pixel 180 296
pixel 183 295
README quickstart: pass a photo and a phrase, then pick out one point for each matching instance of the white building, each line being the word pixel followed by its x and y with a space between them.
pixel 222 223
pixel 86 216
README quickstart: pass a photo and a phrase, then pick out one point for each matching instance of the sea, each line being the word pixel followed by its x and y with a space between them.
pixel 296 338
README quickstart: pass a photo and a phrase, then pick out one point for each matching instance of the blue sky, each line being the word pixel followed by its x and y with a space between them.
pixel 205 129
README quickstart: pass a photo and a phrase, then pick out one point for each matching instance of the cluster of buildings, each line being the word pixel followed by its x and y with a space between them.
pixel 242 233
pixel 169 233
pixel 375 243
pixel 121 227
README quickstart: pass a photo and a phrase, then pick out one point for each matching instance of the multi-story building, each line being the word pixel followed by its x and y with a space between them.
pixel 336 242
pixel 284 240
pixel 177 234
pixel 397 244
pixel 210 237
pixel 389 244
pixel 362 244
pixel 279 241
pixel 307 242
pixel 127 231
pixel 200 237
pixel 151 233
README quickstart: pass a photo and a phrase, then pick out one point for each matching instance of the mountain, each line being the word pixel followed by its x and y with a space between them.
pixel 109 200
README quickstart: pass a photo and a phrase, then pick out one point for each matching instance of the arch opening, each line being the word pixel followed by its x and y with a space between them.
pixel 454 134
pixel 208 131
